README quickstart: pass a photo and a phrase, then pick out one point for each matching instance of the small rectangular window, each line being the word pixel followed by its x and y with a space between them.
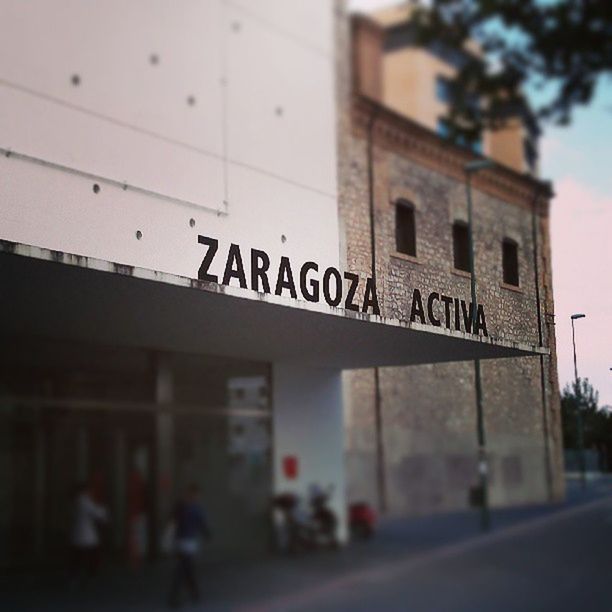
pixel 531 154
pixel 510 262
pixel 444 89
pixel 405 230
pixel 461 246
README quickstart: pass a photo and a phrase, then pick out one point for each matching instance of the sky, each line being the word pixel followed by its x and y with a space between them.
pixel 578 159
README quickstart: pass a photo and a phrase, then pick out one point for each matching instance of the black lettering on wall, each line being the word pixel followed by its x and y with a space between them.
pixel 430 311
pixel 370 299
pixel 234 267
pixel 310 288
pixel 417 307
pixel 326 288
pixel 348 303
pixel 284 279
pixel 481 323
pixel 213 246
pixel 310 294
pixel 260 264
pixel 467 316
pixel 457 313
pixel 447 310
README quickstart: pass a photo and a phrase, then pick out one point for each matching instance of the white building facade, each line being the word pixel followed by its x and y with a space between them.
pixel 175 302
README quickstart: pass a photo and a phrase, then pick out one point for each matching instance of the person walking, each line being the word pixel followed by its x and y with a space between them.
pixel 189 523
pixel 84 536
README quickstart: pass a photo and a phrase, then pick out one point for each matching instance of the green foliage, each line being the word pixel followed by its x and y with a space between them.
pixel 596 423
pixel 561 46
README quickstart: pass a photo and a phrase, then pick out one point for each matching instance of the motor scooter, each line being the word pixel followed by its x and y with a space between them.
pixel 324 523
pixel 297 530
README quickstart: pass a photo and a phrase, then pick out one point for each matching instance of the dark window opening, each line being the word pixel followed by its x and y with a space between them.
pixel 531 154
pixel 461 246
pixel 510 262
pixel 405 229
pixel 444 89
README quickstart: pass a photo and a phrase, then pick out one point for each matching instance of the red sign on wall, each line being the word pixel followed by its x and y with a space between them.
pixel 290 466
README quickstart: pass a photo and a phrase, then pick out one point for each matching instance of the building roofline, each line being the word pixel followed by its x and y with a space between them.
pixel 407 136
pixel 397 132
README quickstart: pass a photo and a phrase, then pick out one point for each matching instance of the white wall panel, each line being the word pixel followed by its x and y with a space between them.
pixel 308 425
pixel 109 44
pixel 302 20
pixel 128 122
pixel 279 113
pixel 104 225
pixel 264 210
pixel 86 143
pixel 128 119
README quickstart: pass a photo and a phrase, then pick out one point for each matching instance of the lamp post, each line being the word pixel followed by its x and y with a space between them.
pixel 579 427
pixel 485 520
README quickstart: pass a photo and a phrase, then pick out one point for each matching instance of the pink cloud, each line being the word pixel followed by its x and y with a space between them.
pixel 554 147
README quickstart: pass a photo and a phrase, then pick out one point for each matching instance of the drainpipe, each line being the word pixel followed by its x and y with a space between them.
pixel 483 469
pixel 536 267
pixel 380 447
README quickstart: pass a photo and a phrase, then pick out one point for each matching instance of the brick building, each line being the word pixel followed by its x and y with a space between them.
pixel 411 431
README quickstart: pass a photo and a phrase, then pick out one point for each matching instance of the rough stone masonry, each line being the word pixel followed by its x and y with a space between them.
pixel 427 419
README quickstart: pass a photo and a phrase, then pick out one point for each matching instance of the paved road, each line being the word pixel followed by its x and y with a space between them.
pixel 540 558
pixel 558 562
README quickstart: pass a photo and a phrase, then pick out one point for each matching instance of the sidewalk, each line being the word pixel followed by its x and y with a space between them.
pixel 256 584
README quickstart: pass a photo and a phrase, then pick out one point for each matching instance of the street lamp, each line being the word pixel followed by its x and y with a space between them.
pixel 485 520
pixel 579 427
pixel 478 164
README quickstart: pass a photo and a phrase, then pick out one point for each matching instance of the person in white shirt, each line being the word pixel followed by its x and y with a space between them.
pixel 84 536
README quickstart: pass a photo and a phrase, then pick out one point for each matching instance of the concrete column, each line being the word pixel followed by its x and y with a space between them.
pixel 308 426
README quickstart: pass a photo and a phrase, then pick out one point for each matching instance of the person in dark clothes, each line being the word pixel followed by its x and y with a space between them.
pixel 190 523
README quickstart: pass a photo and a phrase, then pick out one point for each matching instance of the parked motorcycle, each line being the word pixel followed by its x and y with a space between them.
pixel 297 529
pixel 324 521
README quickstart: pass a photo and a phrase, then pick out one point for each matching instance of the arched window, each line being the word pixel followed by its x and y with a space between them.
pixel 405 228
pixel 461 246
pixel 510 262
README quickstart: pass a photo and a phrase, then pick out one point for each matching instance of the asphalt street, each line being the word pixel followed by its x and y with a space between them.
pixel 546 557
pixel 559 563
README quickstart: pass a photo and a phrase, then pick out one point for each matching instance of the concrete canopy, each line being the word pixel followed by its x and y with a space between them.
pixel 56 295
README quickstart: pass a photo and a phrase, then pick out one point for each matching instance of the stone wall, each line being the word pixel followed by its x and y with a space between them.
pixel 428 413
